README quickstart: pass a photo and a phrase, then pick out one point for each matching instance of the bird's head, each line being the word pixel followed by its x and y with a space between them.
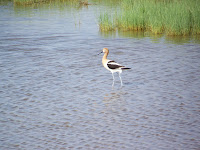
pixel 105 50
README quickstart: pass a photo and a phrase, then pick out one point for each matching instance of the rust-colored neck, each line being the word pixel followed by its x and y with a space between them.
pixel 105 55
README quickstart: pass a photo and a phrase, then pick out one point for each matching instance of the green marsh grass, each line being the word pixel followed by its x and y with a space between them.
pixel 173 17
pixel 106 23
pixel 27 2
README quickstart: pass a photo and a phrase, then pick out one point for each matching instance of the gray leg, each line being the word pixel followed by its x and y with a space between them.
pixel 113 80
pixel 120 79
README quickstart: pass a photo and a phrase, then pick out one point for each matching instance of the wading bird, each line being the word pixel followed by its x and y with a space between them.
pixel 112 66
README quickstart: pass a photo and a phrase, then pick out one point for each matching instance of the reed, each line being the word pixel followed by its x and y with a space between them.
pixel 173 17
pixel 27 2
pixel 105 22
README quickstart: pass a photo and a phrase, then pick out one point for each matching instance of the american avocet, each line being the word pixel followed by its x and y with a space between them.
pixel 112 66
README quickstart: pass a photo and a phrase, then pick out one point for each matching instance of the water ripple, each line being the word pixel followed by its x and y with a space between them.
pixel 55 94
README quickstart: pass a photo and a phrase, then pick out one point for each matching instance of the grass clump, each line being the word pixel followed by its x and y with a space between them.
pixel 105 23
pixel 28 2
pixel 173 17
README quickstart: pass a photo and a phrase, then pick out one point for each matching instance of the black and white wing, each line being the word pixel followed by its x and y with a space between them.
pixel 113 65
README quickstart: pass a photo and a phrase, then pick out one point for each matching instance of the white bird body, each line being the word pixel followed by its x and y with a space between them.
pixel 108 63
pixel 112 66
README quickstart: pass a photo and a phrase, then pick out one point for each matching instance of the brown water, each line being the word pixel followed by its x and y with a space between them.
pixel 55 93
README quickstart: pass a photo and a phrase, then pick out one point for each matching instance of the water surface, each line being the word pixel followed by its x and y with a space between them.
pixel 55 93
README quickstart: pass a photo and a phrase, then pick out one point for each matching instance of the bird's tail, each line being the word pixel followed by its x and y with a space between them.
pixel 125 68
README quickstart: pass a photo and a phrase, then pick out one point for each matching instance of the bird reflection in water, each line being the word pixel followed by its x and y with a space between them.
pixel 115 101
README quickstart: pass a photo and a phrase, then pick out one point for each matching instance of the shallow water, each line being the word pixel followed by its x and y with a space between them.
pixel 55 94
